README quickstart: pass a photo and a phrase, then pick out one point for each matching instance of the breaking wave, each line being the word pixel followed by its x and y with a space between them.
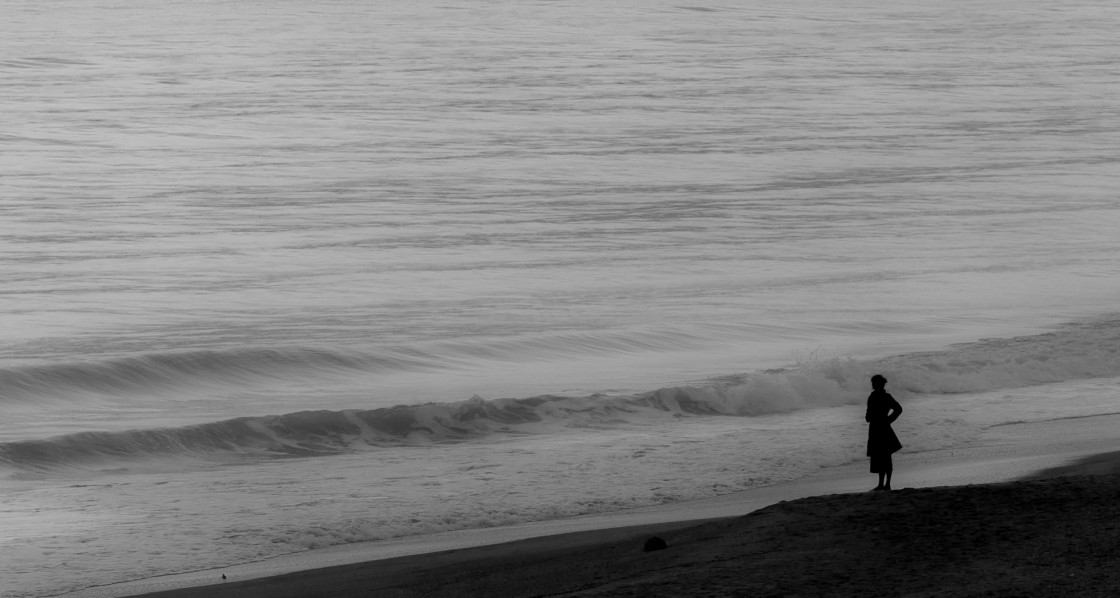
pixel 310 433
pixel 1076 351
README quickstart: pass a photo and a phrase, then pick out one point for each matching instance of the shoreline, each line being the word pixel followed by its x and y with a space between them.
pixel 1051 536
pixel 1006 453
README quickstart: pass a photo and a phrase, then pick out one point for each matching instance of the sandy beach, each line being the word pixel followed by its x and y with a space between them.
pixel 1051 537
pixel 1028 510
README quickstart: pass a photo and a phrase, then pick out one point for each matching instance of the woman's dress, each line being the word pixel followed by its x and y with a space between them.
pixel 881 439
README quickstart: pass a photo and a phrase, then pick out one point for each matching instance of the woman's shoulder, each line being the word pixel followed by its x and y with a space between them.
pixel 881 396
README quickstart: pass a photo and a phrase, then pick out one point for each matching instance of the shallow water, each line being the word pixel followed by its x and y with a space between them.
pixel 721 218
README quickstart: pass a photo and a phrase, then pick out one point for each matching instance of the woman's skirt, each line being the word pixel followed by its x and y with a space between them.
pixel 882 463
pixel 881 444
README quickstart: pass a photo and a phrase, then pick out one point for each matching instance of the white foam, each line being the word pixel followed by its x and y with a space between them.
pixel 144 525
pixel 999 454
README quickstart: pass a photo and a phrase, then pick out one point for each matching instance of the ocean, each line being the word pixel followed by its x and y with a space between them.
pixel 285 274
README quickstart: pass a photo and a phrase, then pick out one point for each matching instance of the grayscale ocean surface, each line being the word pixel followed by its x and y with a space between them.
pixel 284 274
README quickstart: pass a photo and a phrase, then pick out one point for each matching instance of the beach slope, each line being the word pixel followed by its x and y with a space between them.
pixel 1040 537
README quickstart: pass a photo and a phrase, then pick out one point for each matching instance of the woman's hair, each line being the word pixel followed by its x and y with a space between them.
pixel 878 381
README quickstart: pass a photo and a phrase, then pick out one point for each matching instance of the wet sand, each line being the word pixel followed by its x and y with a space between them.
pixel 1054 530
pixel 1041 537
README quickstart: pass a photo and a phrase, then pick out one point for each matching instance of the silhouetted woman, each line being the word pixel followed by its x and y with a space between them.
pixel 882 410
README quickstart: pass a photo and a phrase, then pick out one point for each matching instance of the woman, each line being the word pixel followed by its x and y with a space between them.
pixel 882 410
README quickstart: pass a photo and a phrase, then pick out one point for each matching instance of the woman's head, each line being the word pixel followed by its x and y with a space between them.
pixel 878 382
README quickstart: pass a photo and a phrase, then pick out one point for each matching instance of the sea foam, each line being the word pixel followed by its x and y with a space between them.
pixel 1076 351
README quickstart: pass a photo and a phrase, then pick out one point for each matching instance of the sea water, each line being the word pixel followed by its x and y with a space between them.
pixel 283 274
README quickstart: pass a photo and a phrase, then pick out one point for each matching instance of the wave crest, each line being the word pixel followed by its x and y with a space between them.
pixel 156 370
pixel 309 433
pixel 1076 351
pixel 1079 350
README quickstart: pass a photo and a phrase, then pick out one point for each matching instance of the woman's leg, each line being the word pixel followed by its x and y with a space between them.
pixel 888 470
pixel 877 466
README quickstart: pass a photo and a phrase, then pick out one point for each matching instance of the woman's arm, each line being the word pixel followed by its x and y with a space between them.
pixel 896 410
